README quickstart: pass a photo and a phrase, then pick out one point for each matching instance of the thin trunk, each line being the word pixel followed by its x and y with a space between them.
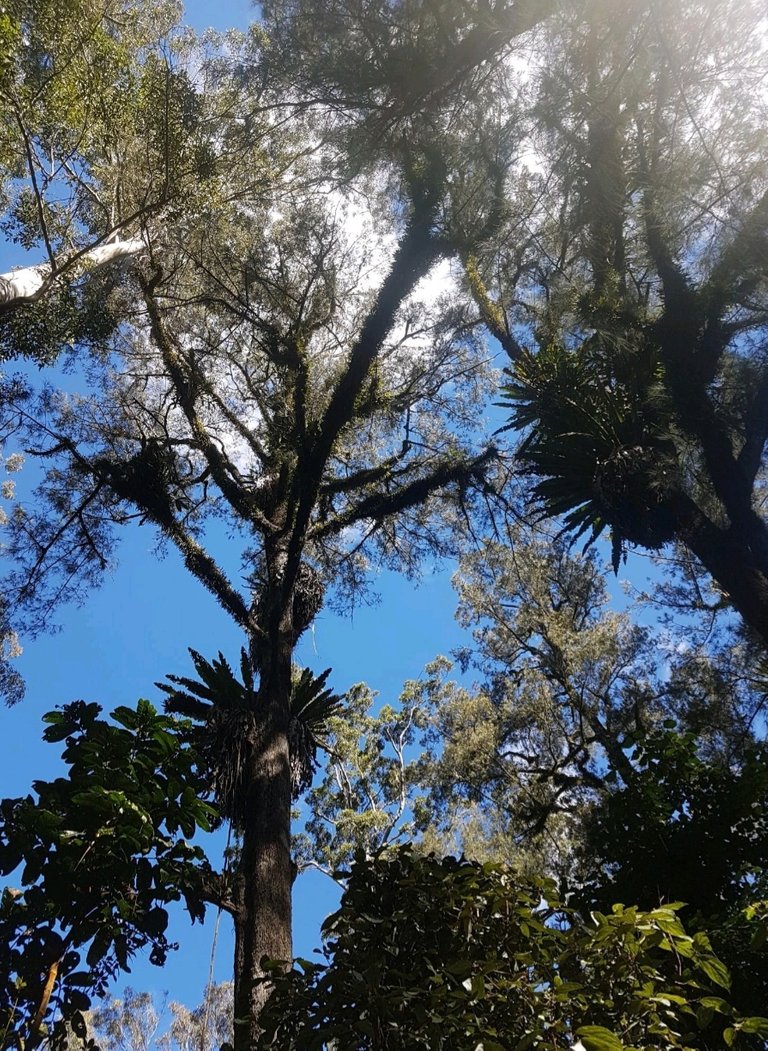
pixel 27 283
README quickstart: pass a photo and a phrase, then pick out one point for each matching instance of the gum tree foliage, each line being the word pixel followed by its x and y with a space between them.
pixel 130 1024
pixel 509 765
pixel 70 77
pixel 98 139
pixel 440 953
pixel 133 1023
pixel 89 155
pixel 368 797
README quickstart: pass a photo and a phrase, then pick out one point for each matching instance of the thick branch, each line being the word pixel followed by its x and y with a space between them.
pixel 202 566
pixel 365 476
pixel 491 312
pixel 216 892
pixel 28 283
pixel 730 562
pixel 755 432
pixel 379 506
pixel 417 253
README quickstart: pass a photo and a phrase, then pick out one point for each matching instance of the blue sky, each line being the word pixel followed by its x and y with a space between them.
pixel 136 628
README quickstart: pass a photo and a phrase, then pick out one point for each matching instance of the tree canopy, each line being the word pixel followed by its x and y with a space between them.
pixel 284 264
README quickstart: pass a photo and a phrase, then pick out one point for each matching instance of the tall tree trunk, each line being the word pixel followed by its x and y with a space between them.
pixel 264 928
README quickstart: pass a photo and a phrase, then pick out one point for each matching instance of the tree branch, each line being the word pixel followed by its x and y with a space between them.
pixel 221 469
pixel 381 505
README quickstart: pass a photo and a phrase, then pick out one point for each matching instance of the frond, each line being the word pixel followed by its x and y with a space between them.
pixel 182 704
pixel 593 440
pixel 188 686
pixel 312 706
pixel 312 702
pixel 217 687
pixel 223 710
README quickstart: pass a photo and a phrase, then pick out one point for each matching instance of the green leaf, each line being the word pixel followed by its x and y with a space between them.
pixel 704 1016
pixel 597 1038
pixel 57 732
pixel 715 970
pixel 127 717
pixel 525 1043
pixel 715 1003
pixel 755 1024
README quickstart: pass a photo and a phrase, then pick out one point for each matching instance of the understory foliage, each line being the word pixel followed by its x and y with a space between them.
pixel 440 953
pixel 102 852
pixel 701 829
pixel 627 764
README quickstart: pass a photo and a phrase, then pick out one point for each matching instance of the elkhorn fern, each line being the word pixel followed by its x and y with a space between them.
pixel 225 726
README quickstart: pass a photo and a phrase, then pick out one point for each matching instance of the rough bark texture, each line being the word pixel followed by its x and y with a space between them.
pixel 265 865
pixel 264 882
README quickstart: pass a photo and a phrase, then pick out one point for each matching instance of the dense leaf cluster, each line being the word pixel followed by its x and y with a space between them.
pixel 701 830
pixel 446 953
pixel 103 851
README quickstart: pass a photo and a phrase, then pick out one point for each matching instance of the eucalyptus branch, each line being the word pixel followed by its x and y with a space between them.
pixel 32 169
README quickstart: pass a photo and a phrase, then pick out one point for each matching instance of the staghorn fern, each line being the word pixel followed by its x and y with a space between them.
pixel 594 441
pixel 312 705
